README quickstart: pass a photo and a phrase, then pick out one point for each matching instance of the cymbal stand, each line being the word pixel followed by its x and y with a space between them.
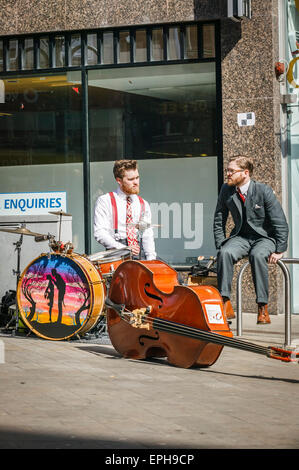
pixel 17 272
pixel 142 226
pixel 60 221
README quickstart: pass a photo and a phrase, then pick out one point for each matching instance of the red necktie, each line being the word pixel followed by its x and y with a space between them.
pixel 131 230
pixel 241 195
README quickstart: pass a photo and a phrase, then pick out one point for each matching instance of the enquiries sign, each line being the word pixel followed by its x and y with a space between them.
pixel 32 203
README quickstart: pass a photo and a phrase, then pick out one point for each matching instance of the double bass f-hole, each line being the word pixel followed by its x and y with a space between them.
pixel 153 296
pixel 141 337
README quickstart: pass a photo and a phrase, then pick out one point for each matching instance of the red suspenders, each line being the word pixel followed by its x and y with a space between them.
pixel 114 210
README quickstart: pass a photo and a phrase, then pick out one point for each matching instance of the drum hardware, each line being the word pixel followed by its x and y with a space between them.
pixel 60 247
pixel 17 273
pixel 60 213
pixel 204 272
pixel 112 268
pixel 20 230
pixel 43 238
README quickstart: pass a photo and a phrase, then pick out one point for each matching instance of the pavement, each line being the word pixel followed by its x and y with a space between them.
pixel 81 394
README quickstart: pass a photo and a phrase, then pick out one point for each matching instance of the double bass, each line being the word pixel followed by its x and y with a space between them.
pixel 149 314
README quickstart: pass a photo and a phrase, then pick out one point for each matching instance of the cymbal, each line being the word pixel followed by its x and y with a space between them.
pixel 21 231
pixel 60 213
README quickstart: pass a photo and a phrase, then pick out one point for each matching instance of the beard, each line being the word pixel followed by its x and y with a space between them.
pixel 238 181
pixel 129 189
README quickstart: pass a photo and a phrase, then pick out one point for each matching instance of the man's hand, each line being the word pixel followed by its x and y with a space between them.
pixel 135 250
pixel 274 257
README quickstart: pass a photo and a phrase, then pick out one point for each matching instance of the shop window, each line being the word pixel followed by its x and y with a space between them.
pixel 124 47
pixel 92 49
pixel 108 49
pixel 163 116
pixel 40 121
pixel 59 44
pixel 44 61
pixel 173 44
pixel 208 34
pixel 13 54
pixel 75 50
pixel 157 45
pixel 41 143
pixel 28 56
pixel 153 112
pixel 117 46
pixel 140 52
pixel 191 42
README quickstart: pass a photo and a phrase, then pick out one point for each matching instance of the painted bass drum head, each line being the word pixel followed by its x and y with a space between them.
pixel 60 296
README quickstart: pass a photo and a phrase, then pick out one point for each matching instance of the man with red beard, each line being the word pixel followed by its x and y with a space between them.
pixel 260 231
pixel 120 215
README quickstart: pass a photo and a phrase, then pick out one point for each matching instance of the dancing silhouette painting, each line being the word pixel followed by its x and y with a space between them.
pixel 54 296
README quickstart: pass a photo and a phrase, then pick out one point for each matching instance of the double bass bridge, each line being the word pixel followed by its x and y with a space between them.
pixel 138 318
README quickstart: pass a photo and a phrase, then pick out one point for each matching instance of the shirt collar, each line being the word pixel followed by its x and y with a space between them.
pixel 123 195
pixel 244 187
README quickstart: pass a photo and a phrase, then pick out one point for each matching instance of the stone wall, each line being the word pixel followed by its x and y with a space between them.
pixel 249 51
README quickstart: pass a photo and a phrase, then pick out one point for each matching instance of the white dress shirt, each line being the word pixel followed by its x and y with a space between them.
pixel 103 228
pixel 244 188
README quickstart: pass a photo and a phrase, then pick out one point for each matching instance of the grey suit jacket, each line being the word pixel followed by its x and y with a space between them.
pixel 264 214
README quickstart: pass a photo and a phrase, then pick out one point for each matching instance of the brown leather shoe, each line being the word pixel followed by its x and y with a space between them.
pixel 263 315
pixel 228 308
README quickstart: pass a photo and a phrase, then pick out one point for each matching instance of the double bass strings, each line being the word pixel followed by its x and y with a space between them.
pixel 208 336
pixel 191 332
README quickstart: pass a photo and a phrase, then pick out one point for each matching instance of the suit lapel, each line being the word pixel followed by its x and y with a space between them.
pixel 238 203
pixel 249 193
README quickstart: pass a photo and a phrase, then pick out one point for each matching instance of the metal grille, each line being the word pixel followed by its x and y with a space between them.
pixel 108 47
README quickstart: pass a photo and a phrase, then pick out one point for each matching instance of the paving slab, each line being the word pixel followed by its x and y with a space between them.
pixel 81 394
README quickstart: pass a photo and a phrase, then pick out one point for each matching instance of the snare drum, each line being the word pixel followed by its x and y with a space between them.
pixel 60 296
pixel 107 261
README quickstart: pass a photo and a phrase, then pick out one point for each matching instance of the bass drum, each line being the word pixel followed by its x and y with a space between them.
pixel 60 296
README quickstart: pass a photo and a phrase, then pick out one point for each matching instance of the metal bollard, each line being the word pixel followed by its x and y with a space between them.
pixel 287 283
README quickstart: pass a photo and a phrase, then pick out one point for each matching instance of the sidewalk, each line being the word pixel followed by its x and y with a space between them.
pixel 83 395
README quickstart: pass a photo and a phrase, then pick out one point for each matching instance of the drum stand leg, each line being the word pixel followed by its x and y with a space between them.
pixel 16 272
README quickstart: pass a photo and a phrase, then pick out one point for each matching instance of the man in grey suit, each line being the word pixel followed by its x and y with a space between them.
pixel 260 231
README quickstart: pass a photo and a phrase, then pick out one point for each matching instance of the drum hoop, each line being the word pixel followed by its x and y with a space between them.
pixel 110 260
pixel 110 255
pixel 85 326
pixel 99 284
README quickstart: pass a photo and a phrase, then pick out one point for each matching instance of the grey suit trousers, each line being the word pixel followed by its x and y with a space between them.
pixel 258 251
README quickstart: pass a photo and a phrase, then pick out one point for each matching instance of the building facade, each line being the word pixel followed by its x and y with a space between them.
pixel 175 84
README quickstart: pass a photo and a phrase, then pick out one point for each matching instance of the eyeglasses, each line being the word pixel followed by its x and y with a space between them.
pixel 232 172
